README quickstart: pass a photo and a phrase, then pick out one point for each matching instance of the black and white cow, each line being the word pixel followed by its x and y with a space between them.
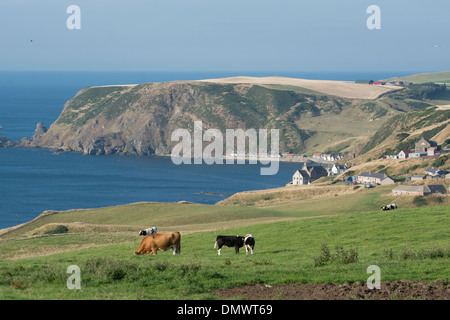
pixel 148 231
pixel 249 243
pixel 236 242
pixel 391 206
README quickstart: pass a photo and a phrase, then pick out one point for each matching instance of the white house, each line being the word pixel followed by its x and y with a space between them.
pixel 338 169
pixel 403 154
pixel 417 154
pixel 431 151
pixel 300 177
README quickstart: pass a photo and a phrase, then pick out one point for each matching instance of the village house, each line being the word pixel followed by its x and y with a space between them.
pixel 411 190
pixel 403 154
pixel 374 178
pixel 337 169
pixel 306 174
pixel 431 151
pixel 422 145
pixel 417 177
pixel 435 172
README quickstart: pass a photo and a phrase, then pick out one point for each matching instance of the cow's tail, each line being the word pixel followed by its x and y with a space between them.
pixel 215 244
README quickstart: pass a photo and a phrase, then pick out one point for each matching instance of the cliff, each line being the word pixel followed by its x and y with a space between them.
pixel 139 119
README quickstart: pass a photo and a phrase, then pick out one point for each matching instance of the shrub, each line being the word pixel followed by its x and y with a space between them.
pixel 420 201
pixel 345 257
pixel 440 161
pixel 342 256
pixel 389 254
pixel 324 257
pixel 429 253
pixel 58 230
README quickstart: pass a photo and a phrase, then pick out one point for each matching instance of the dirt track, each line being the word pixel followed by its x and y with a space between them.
pixel 396 290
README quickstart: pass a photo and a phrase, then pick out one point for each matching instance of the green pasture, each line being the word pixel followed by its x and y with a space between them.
pixel 410 243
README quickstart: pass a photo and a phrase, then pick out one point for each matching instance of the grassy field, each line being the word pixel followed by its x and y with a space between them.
pixel 409 243
pixel 437 77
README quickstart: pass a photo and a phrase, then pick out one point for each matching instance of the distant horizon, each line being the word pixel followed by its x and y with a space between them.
pixel 226 71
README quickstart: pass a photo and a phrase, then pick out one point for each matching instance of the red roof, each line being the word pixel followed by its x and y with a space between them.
pixel 406 151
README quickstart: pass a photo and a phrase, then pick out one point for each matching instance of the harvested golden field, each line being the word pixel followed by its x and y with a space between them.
pixel 343 89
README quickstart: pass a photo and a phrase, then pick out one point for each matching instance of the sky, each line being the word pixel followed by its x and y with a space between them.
pixel 211 35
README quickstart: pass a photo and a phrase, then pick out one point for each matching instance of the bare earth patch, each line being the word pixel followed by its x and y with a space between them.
pixel 396 290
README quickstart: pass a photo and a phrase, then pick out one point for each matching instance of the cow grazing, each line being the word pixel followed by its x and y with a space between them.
pixel 148 231
pixel 391 206
pixel 236 242
pixel 249 243
pixel 160 241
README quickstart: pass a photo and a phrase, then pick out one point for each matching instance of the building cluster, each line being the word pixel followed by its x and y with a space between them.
pixel 315 156
pixel 423 148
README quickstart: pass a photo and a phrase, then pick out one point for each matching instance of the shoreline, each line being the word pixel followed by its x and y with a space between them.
pixel 60 150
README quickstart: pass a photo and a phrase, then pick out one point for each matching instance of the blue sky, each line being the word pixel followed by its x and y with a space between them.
pixel 211 35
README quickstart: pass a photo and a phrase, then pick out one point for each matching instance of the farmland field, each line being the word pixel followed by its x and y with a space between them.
pixel 406 244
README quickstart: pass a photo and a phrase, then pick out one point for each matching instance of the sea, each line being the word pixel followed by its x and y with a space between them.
pixel 33 180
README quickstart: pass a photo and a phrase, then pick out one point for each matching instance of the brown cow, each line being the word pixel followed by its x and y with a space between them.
pixel 160 241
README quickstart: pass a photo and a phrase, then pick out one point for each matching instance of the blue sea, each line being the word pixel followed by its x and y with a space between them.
pixel 35 180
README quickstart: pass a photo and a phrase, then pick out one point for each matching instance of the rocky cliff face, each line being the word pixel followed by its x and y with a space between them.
pixel 140 119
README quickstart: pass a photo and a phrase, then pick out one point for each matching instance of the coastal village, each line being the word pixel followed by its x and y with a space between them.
pixel 311 171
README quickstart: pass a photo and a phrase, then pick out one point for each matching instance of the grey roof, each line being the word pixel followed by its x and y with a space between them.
pixel 303 173
pixel 432 169
pixel 437 188
pixel 407 188
pixel 377 175
pixel 318 169
pixel 435 170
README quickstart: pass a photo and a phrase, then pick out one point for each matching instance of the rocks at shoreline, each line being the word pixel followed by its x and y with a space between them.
pixel 213 194
pixel 6 143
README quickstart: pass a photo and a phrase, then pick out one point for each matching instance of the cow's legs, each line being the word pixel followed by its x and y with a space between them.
pixel 218 251
pixel 176 249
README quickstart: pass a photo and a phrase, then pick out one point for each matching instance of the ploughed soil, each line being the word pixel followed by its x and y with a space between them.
pixel 395 290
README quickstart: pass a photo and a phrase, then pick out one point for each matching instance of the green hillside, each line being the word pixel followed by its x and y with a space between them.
pixel 403 130
pixel 436 77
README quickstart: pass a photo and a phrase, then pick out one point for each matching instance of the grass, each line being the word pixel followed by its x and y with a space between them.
pixel 109 270
pixel 437 77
